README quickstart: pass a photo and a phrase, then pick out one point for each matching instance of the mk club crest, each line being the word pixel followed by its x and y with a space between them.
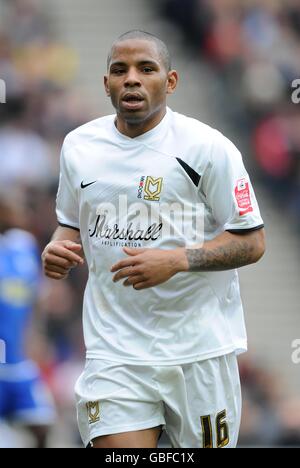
pixel 153 188
pixel 93 409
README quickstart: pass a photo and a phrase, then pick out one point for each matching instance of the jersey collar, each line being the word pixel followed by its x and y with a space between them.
pixel 147 137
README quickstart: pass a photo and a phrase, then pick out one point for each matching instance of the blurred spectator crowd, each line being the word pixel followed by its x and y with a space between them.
pixel 254 48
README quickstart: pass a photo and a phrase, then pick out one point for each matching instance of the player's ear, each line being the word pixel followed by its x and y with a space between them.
pixel 172 81
pixel 106 86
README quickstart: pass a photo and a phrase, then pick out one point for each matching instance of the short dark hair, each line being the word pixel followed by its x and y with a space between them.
pixel 146 36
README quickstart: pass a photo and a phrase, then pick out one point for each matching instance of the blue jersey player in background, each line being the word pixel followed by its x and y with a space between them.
pixel 24 397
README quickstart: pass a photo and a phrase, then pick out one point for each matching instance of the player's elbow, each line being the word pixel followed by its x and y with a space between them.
pixel 259 243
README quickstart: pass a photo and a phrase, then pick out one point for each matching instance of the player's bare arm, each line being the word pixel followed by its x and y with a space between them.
pixel 146 268
pixel 227 252
pixel 63 253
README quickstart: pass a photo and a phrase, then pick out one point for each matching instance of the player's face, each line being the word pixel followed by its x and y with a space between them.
pixel 138 83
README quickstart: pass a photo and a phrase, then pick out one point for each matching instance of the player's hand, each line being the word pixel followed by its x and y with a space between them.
pixel 145 268
pixel 59 257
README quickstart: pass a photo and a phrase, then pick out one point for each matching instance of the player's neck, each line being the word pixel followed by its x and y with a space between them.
pixel 133 130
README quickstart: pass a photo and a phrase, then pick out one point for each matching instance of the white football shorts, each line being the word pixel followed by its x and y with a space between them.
pixel 198 404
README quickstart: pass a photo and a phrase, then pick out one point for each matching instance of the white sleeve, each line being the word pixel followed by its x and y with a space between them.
pixel 67 208
pixel 228 189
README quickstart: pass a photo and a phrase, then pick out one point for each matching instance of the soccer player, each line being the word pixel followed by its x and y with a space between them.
pixel 24 398
pixel 163 319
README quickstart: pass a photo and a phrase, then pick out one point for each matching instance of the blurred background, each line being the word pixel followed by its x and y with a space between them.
pixel 237 60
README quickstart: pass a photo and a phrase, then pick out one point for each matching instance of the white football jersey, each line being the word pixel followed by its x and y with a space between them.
pixel 177 185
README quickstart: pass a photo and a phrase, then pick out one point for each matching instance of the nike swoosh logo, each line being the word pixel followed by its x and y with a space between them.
pixel 83 186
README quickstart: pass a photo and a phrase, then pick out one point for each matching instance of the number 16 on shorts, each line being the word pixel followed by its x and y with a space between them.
pixel 221 428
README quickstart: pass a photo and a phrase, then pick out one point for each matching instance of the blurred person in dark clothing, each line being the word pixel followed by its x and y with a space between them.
pixel 195 17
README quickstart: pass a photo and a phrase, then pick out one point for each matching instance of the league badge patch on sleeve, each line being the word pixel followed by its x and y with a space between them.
pixel 243 197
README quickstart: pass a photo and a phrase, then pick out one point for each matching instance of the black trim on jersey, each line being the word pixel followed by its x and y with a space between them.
pixel 245 231
pixel 193 175
pixel 70 227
